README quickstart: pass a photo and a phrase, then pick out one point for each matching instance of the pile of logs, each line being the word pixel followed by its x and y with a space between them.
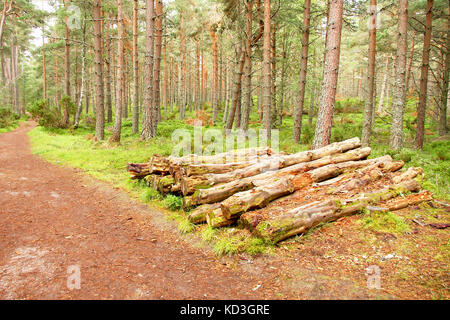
pixel 278 195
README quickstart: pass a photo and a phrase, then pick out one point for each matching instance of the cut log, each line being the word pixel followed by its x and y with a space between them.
pixel 239 155
pixel 221 192
pixel 216 219
pixel 411 173
pixel 258 197
pixel 300 219
pixel 409 200
pixel 322 190
pixel 165 184
pixel 159 165
pixel 368 174
pixel 200 169
pixel 138 170
pixel 199 214
pixel 310 155
pixel 149 179
pixel 273 163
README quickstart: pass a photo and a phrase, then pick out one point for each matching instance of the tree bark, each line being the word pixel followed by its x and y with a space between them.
pixel 368 113
pixel 98 63
pixel 298 113
pixel 421 107
pixel 157 70
pixel 66 65
pixel 381 106
pixel 108 75
pixel 120 73
pixel 322 134
pixel 399 96
pixel 267 76
pixel 147 117
pixel 248 101
pixel 215 75
pixel 445 79
pixel 135 121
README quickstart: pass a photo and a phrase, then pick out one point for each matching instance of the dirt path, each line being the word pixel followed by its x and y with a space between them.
pixel 53 218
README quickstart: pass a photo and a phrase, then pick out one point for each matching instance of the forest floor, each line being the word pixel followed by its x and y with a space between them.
pixel 54 217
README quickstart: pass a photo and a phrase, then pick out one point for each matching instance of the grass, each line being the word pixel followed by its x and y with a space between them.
pixel 107 162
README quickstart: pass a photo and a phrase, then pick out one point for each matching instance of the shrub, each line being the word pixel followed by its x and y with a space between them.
pixel 7 118
pixel 173 202
pixel 46 116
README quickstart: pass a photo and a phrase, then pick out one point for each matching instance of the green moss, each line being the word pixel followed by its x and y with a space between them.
pixel 384 222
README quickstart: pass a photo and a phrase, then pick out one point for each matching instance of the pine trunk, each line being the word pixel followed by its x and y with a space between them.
pixel 399 90
pixel 147 117
pixel 368 113
pixel 322 134
pixel 120 73
pixel 298 113
pixel 421 107
pixel 98 62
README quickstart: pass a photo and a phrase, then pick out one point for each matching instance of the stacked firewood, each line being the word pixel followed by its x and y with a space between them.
pixel 278 195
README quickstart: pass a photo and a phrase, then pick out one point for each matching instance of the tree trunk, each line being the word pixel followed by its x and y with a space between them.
pixel 381 106
pixel 444 89
pixel 421 107
pixel 267 84
pixel 147 117
pixel 182 69
pixel 98 62
pixel 135 121
pixel 157 70
pixel 368 113
pixel 248 101
pixel 66 65
pixel 239 67
pixel 108 76
pixel 399 91
pixel 120 73
pixel 83 78
pixel 215 75
pixel 322 135
pixel 411 56
pixel 298 113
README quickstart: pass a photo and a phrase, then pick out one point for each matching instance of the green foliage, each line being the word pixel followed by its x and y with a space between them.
pixel 349 105
pixel 46 116
pixel 173 202
pixel 7 118
pixel 150 194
